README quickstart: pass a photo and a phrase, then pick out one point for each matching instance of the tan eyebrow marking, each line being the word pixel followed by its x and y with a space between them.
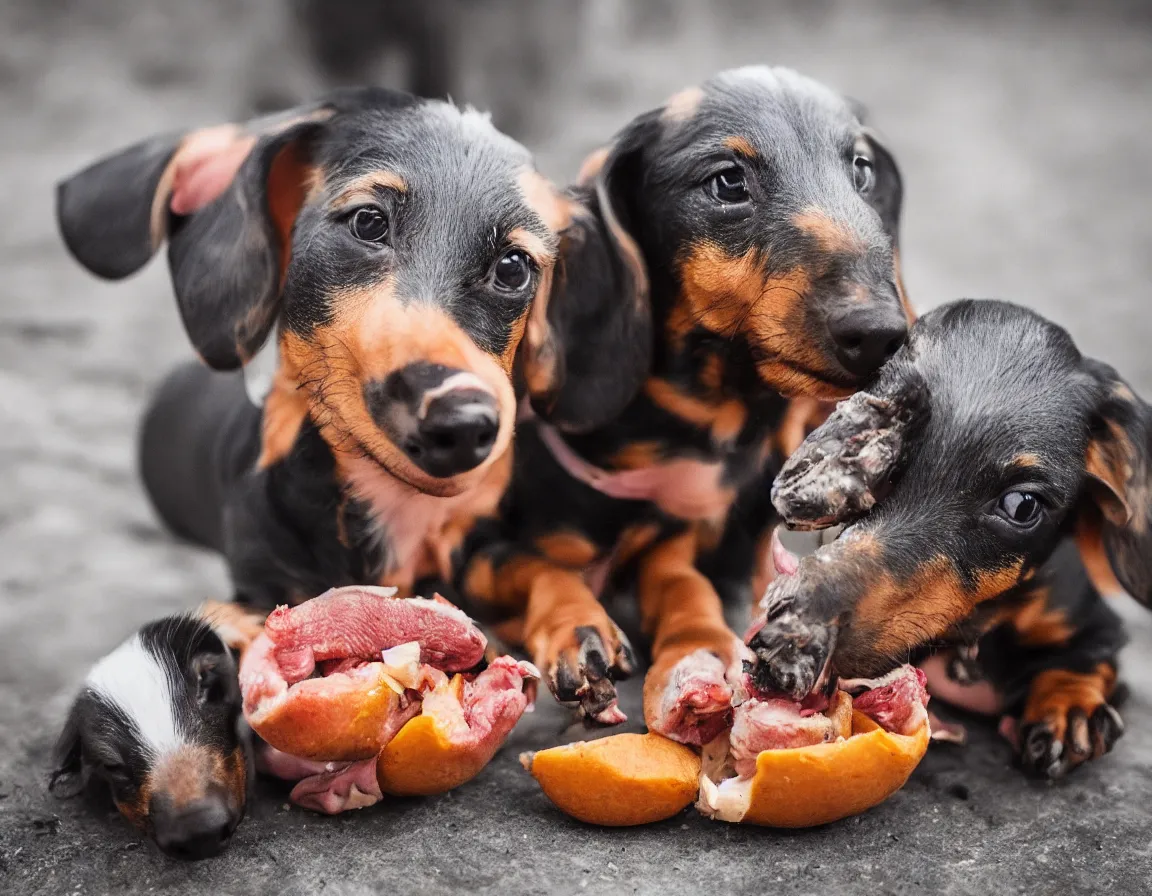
pixel 1027 459
pixel 541 195
pixel 740 146
pixel 364 189
pixel 831 235
pixel 531 243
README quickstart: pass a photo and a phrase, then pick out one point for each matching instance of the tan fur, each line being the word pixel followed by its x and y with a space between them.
pixel 681 613
pixel 741 146
pixel 830 235
pixel 682 106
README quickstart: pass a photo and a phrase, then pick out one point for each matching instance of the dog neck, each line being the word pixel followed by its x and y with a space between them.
pixel 682 487
pixel 422 531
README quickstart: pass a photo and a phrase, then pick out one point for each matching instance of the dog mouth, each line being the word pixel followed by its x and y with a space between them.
pixel 785 558
pixel 411 475
pixel 792 653
pixel 826 384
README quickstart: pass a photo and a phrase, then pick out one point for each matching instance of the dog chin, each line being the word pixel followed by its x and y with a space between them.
pixel 793 381
pixel 415 478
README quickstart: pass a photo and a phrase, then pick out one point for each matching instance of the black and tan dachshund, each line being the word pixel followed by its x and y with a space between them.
pixel 740 251
pixel 396 247
pixel 988 451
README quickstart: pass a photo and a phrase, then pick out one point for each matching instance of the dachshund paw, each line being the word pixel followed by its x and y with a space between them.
pixel 584 673
pixel 1067 721
pixel 695 705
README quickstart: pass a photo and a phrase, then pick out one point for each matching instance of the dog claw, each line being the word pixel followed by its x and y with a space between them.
pixel 1055 746
pixel 584 677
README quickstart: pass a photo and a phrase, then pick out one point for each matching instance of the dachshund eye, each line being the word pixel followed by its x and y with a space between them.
pixel 513 271
pixel 730 185
pixel 863 175
pixel 1020 508
pixel 369 225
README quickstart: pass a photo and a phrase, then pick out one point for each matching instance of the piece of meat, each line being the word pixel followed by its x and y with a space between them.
pixel 360 622
pixel 491 704
pixel 328 787
pixel 349 785
pixel 779 724
pixel 382 661
pixel 696 704
pixel 975 696
pixel 896 702
pixel 476 716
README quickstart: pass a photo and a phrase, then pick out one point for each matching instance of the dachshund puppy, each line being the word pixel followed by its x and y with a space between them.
pixel 988 450
pixel 395 247
pixel 736 248
pixel 158 723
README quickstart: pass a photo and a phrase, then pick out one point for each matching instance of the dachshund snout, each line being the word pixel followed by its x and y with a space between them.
pixel 444 419
pixel 198 830
pixel 864 337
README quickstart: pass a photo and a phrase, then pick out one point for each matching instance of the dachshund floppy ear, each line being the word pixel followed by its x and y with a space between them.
pixel 588 348
pixel 887 196
pixel 1114 530
pixel 67 778
pixel 226 197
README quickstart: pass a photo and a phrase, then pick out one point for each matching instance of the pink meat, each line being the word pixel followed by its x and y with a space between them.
pixel 896 702
pixel 977 696
pixel 262 684
pixel 495 700
pixel 774 725
pixel 358 623
pixel 696 705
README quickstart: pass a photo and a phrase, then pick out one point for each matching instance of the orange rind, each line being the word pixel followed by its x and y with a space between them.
pixel 617 781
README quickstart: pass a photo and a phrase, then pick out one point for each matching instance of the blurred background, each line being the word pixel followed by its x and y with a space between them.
pixel 1022 128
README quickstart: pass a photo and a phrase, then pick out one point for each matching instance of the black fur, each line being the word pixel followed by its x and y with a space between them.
pixel 612 340
pixel 1005 406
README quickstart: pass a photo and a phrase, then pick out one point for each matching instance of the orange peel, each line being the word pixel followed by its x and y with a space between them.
pixel 437 751
pixel 818 784
pixel 617 781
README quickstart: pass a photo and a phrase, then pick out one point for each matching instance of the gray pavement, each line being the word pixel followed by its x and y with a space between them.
pixel 1023 131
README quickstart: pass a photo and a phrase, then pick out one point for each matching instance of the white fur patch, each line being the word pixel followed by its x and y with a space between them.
pixel 131 678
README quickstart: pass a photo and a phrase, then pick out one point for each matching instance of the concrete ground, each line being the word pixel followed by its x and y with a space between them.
pixel 1023 137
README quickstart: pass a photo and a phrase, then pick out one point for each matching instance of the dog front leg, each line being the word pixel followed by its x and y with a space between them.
pixel 696 658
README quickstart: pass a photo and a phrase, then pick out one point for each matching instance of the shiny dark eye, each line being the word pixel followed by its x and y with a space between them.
pixel 513 271
pixel 863 175
pixel 369 225
pixel 1019 508
pixel 730 185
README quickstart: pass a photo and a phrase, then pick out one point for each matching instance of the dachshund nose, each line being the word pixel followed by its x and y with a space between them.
pixel 199 830
pixel 444 419
pixel 456 434
pixel 864 338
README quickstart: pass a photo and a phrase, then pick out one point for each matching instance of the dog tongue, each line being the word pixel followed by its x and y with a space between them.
pixel 784 562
